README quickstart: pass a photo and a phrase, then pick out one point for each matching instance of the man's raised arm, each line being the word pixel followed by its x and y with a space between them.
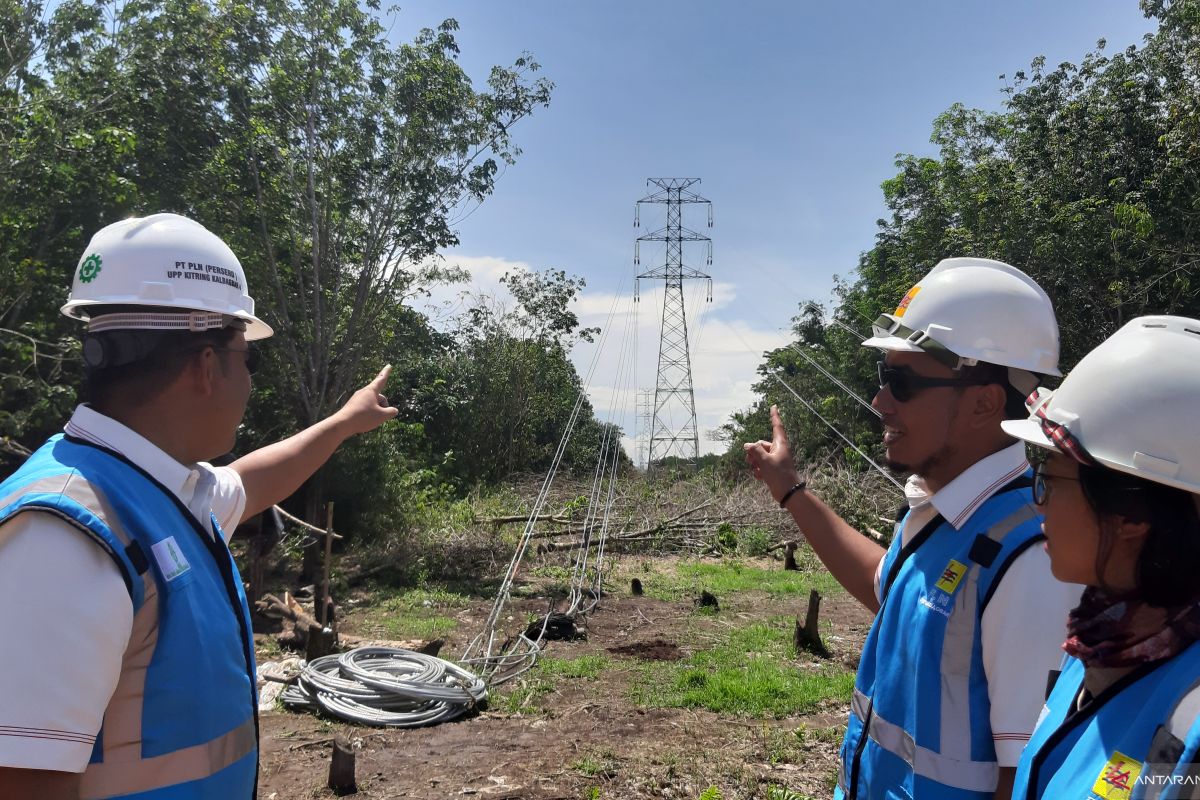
pixel 848 555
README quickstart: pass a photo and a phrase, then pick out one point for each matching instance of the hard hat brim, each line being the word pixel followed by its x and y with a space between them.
pixel 1029 430
pixel 255 328
pixel 892 343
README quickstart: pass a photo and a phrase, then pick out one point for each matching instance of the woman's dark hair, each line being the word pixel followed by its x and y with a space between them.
pixel 1170 558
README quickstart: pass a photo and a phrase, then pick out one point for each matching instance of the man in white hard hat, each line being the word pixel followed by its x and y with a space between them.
pixel 968 619
pixel 129 663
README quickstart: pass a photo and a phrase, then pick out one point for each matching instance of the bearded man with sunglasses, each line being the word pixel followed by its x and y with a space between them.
pixel 131 666
pixel 968 618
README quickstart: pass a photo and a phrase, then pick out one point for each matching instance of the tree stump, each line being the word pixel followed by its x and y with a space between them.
pixel 341 768
pixel 808 636
pixel 789 557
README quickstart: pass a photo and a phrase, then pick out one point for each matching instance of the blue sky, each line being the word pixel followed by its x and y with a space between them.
pixel 792 114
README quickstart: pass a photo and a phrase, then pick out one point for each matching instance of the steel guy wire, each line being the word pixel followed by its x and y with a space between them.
pixel 774 373
pixel 503 594
pixel 832 427
pixel 603 470
pixel 864 403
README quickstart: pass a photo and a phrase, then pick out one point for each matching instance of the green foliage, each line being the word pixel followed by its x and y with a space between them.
pixel 783 793
pixel 749 675
pixel 601 764
pixel 753 541
pixel 334 163
pixel 711 793
pixel 1086 179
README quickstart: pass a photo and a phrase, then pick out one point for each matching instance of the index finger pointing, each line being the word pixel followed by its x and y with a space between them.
pixel 778 434
pixel 382 378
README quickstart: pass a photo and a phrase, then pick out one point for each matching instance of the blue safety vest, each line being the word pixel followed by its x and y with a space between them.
pixel 1136 740
pixel 920 715
pixel 182 722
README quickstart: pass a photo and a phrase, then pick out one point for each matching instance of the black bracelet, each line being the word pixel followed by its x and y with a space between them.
pixel 788 494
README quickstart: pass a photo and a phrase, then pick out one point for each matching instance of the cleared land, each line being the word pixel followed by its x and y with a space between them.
pixel 662 698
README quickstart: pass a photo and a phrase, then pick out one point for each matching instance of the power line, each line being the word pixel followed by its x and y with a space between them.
pixel 774 374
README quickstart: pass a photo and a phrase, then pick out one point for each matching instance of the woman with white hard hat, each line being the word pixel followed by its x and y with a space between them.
pixel 1120 489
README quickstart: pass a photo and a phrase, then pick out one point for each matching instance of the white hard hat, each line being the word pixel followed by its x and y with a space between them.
pixel 167 262
pixel 968 310
pixel 1129 405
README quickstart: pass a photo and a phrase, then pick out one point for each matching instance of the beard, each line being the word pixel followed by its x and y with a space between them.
pixel 923 468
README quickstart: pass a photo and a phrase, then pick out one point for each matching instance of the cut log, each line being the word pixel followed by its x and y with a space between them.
pixel 341 768
pixel 306 633
pixel 807 637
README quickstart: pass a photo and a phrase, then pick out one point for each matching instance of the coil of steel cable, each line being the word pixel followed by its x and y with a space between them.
pixel 386 686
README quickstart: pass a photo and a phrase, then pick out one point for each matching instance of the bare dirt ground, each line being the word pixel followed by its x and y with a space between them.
pixel 588 738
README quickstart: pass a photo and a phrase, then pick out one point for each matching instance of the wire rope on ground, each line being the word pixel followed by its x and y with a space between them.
pixel 386 686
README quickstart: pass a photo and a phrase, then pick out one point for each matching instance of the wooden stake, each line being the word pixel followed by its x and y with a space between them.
pixel 808 636
pixel 323 599
pixel 341 768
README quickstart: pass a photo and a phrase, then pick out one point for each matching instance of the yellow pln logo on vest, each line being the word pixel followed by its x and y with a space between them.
pixel 1117 779
pixel 904 301
pixel 952 575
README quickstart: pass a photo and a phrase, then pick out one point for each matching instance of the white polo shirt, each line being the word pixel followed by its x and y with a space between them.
pixel 70 611
pixel 1025 622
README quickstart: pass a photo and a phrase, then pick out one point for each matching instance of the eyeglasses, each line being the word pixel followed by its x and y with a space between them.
pixel 904 384
pixel 1041 487
pixel 253 355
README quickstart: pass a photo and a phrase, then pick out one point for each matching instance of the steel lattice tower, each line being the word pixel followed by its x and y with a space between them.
pixel 674 398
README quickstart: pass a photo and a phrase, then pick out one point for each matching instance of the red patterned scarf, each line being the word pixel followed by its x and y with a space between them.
pixel 1108 629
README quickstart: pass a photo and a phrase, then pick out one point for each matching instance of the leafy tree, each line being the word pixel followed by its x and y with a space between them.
pixel 1088 179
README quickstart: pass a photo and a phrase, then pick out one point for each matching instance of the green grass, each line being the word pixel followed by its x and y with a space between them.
pixel 413 613
pixel 734 576
pixel 544 678
pixel 581 667
pixel 751 674
pixel 600 764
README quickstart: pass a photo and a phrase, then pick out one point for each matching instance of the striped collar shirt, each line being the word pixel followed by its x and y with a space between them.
pixel 201 487
pixel 962 497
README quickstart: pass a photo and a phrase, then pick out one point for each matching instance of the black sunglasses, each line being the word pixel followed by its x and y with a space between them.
pixel 904 384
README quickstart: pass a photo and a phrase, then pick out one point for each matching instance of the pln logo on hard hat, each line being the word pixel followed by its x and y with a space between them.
pixel 90 268
pixel 904 301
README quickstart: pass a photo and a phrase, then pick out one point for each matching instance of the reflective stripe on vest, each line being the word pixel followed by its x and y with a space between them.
pixel 949 756
pixel 1168 744
pixel 189 764
pixel 975 776
pixel 133 753
pixel 957 649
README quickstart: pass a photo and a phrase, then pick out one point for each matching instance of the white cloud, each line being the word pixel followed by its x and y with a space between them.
pixel 725 352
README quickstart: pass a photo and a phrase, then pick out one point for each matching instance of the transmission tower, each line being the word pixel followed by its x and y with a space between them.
pixel 673 431
pixel 645 406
